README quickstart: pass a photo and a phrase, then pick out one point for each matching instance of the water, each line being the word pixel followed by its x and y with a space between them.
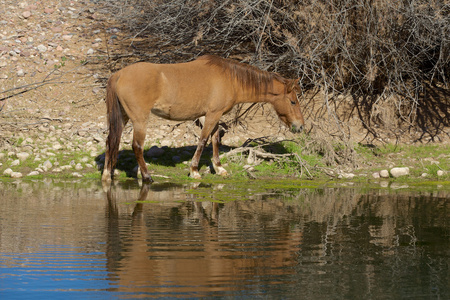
pixel 63 240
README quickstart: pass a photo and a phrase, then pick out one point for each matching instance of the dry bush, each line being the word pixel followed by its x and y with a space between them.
pixel 364 55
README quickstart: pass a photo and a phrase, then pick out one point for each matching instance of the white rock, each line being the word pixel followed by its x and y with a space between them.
pixel 397 172
pixel 57 146
pixel 41 48
pixel 2 155
pixel 248 168
pixel 22 156
pixel 7 171
pixel 26 14
pixel 47 165
pixel 346 175
pixel 76 174
pixel 16 175
pixel 15 163
pixel 33 173
pixel 440 173
pixel 384 174
pixel 90 51
pixel 424 175
pixel 78 167
pixel 376 175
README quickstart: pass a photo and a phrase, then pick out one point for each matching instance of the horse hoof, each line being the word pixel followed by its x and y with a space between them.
pixel 195 175
pixel 147 179
pixel 106 177
pixel 223 172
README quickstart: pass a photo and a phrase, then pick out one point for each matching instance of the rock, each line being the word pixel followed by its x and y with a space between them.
pixel 26 14
pixel 47 165
pixel 56 146
pixel 440 173
pixel 56 29
pixel 22 156
pixel 20 73
pixel 41 48
pixel 154 151
pixel 248 168
pixel 7 172
pixel 33 173
pixel 346 175
pixel 424 175
pixel 384 174
pixel 78 167
pixel 16 175
pixel 90 51
pixel 376 175
pixel 15 163
pixel 76 174
pixel 397 172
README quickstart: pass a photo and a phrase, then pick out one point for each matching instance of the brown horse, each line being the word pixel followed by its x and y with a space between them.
pixel 208 86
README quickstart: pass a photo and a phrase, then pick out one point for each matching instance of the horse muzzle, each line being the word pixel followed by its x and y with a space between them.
pixel 296 128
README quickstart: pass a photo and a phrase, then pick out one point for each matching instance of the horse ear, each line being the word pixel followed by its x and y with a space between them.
pixel 293 85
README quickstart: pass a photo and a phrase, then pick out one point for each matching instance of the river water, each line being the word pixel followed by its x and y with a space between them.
pixel 69 239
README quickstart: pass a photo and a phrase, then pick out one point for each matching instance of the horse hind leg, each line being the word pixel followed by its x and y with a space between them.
pixel 139 130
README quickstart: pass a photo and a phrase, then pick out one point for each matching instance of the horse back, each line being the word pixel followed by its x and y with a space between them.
pixel 182 91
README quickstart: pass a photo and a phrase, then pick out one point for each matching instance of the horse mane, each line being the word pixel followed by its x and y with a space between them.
pixel 248 76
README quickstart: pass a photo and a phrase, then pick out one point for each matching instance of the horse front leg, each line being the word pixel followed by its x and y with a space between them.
pixel 215 160
pixel 211 121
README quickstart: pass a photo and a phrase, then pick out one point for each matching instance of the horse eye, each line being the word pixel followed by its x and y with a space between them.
pixel 293 102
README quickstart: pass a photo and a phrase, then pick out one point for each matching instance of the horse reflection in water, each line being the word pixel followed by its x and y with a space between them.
pixel 172 247
pixel 209 86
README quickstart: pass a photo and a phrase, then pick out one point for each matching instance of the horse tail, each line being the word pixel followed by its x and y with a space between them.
pixel 115 122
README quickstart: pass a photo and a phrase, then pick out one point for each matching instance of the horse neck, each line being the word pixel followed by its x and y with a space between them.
pixel 249 96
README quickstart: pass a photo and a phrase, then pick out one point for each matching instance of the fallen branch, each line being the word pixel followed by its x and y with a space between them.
pixel 253 153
